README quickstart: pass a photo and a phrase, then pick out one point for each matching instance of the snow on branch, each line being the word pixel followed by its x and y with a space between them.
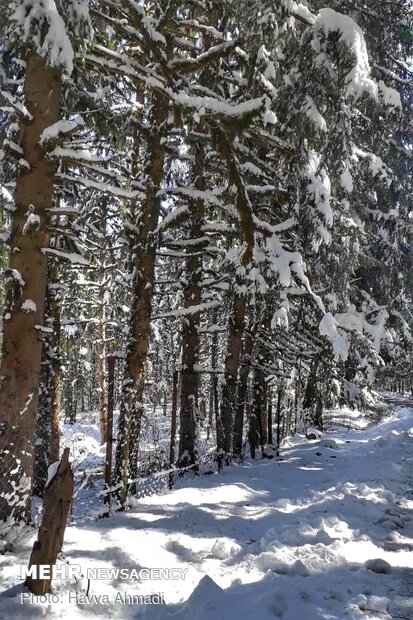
pixel 60 129
pixel 39 22
pixel 77 17
pixel 358 80
pixel 267 139
pixel 338 327
pixel 188 65
pixel 208 105
pixel 74 259
pixel 172 218
pixel 319 189
pixel 389 96
pixel 376 165
pixel 77 155
pixel 300 12
pixel 209 197
pixel 16 106
pixel 405 325
pixel 188 311
pixel 5 194
pixel 103 187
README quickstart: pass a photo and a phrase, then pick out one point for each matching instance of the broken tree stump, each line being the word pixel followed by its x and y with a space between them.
pixel 57 497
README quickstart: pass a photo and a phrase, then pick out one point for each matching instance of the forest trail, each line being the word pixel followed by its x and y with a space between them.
pixel 265 539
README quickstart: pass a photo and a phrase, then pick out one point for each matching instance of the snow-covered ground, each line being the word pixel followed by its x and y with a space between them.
pixel 290 539
pixel 88 458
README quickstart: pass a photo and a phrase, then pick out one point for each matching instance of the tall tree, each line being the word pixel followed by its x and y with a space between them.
pixel 47 52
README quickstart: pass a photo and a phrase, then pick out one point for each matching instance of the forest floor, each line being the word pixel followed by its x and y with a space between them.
pixel 324 533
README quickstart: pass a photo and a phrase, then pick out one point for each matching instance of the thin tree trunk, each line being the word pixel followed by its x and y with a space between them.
pixel 252 426
pixel 26 290
pixel 188 453
pixel 310 396
pixel 144 254
pixel 156 372
pixel 236 325
pixel 50 393
pixel 101 341
pixel 229 390
pixel 242 396
pixel 259 404
pixel 57 385
pixel 101 368
pixel 258 408
pixel 42 451
pixel 269 417
pixel 225 423
pixel 279 429
pixel 213 400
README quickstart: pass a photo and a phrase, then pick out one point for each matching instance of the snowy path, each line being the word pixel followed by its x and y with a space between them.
pixel 284 539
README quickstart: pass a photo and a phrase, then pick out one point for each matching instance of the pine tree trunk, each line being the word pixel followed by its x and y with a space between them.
pixel 269 417
pixel 101 368
pixel 27 276
pixel 310 396
pixel 42 456
pixel 225 423
pixel 280 433
pixel 57 385
pixel 101 347
pixel 213 396
pixel 242 395
pixel 188 454
pixel 259 404
pixel 47 449
pixel 143 261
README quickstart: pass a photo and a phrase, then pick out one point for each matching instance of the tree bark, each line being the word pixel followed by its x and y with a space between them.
pixel 280 434
pixel 101 371
pixel 188 433
pixel 236 326
pixel 213 390
pixel 26 280
pixel 101 340
pixel 143 260
pixel 237 316
pixel 269 417
pixel 311 396
pixel 47 449
pixel 56 503
pixel 242 396
pixel 259 401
